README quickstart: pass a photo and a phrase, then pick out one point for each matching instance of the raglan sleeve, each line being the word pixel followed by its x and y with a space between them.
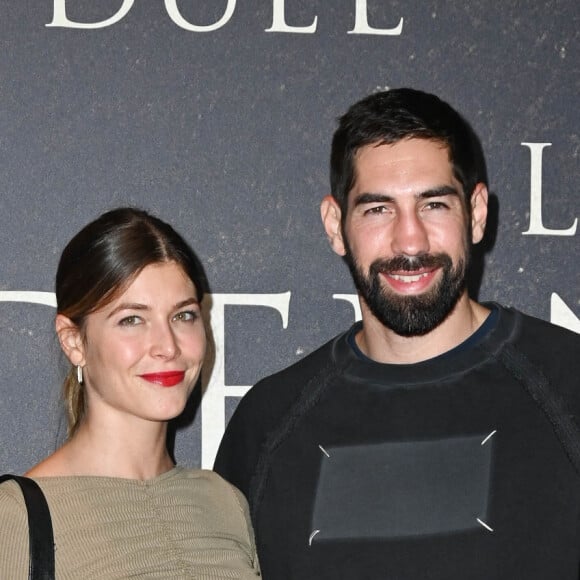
pixel 239 449
pixel 253 425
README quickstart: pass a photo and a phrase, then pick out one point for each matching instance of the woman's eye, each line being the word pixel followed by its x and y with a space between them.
pixel 186 316
pixel 130 321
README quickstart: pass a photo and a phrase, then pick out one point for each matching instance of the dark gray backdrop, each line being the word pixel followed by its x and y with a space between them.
pixel 225 133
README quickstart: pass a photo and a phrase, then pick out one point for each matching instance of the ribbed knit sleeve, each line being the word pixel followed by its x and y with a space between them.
pixel 13 533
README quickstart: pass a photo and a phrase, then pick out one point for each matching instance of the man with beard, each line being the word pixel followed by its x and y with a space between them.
pixel 438 438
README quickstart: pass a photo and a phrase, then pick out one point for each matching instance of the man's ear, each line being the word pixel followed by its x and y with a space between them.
pixel 331 218
pixel 71 340
pixel 479 199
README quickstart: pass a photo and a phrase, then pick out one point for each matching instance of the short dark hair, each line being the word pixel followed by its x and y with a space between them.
pixel 100 262
pixel 391 116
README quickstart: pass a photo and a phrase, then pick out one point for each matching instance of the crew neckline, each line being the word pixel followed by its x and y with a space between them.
pixel 488 340
pixel 473 339
pixel 109 478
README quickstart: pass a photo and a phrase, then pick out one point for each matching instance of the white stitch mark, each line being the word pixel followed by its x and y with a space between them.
pixel 489 437
pixel 323 451
pixel 312 536
pixel 484 525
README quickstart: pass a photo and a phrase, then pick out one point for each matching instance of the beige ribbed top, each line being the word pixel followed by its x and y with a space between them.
pixel 182 524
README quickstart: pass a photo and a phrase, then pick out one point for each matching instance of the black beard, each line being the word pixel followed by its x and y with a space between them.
pixel 410 315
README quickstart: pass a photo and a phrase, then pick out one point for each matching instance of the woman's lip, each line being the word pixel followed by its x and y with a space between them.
pixel 165 379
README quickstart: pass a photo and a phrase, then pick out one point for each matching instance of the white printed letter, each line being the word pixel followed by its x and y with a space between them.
pixel 213 401
pixel 354 301
pixel 279 22
pixel 175 15
pixel 59 18
pixel 46 298
pixel 561 315
pixel 536 224
pixel 361 23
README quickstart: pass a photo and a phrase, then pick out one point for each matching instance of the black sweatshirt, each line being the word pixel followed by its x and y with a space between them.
pixel 462 467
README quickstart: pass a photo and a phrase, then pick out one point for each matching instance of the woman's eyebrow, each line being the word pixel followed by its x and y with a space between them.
pixel 139 306
pixel 128 306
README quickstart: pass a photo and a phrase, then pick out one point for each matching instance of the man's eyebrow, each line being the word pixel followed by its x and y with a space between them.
pixel 372 198
pixel 142 307
pixel 441 191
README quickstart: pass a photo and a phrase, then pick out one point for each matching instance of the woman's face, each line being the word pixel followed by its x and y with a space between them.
pixel 142 353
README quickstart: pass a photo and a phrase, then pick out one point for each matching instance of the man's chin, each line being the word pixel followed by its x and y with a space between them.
pixel 408 299
pixel 412 321
pixel 412 315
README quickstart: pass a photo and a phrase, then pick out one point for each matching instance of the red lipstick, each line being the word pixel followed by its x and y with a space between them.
pixel 166 379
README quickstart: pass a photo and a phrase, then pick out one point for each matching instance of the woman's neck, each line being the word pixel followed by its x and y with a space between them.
pixel 131 450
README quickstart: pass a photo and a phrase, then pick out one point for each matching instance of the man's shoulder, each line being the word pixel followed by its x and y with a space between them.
pixel 263 409
pixel 552 350
pixel 536 334
pixel 306 366
pixel 282 387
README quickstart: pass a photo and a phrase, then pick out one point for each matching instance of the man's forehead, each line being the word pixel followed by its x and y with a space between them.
pixel 413 160
pixel 418 144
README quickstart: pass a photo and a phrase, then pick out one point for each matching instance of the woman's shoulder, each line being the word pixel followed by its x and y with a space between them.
pixel 206 475
pixel 11 498
pixel 214 489
pixel 209 479
pixel 12 503
pixel 14 526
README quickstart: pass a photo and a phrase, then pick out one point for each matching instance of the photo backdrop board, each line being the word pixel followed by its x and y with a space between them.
pixel 217 116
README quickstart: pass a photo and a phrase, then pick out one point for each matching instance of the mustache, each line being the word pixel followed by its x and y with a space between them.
pixel 410 263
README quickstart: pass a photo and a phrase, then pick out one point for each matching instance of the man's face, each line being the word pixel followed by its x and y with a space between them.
pixel 405 235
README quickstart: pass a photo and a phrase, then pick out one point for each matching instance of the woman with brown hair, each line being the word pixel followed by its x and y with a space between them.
pixel 128 290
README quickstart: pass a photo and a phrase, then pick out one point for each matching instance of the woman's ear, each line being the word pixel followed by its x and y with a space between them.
pixel 71 340
pixel 331 218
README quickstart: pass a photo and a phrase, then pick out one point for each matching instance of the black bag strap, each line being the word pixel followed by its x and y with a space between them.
pixel 40 533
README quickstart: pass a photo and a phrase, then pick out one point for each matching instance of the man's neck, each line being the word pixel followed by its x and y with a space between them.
pixel 383 345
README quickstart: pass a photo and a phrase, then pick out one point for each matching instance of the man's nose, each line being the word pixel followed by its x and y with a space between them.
pixel 409 235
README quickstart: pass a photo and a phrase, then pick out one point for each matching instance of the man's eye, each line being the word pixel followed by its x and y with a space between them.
pixel 436 205
pixel 130 320
pixel 186 316
pixel 378 209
